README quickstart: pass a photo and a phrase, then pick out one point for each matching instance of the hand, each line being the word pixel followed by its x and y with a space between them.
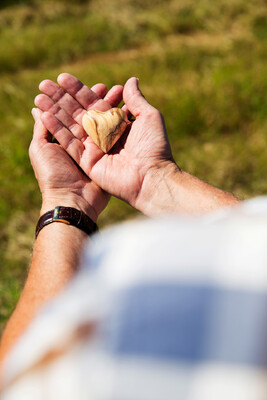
pixel 61 181
pixel 142 152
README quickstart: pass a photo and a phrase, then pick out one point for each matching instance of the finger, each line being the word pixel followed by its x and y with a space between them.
pixel 114 96
pixel 71 124
pixel 127 112
pixel 56 99
pixel 100 105
pixel 82 93
pixel 52 89
pixel 100 90
pixel 57 96
pixel 68 141
pixel 67 109
pixel 134 100
pixel 45 103
pixel 40 133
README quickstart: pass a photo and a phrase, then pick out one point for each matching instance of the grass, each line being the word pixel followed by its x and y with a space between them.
pixel 202 64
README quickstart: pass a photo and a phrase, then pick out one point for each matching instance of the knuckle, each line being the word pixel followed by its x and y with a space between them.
pixel 153 113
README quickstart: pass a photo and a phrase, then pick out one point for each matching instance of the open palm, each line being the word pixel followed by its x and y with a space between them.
pixel 59 177
pixel 141 149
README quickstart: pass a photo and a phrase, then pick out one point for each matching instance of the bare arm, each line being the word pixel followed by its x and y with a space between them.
pixel 55 259
pixel 169 190
pixel 58 247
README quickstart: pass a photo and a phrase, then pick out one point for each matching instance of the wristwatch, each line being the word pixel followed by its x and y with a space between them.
pixel 67 215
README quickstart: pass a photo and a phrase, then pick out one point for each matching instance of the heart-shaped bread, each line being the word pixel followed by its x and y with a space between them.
pixel 105 128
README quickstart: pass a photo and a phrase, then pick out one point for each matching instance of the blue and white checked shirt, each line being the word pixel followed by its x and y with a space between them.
pixel 164 309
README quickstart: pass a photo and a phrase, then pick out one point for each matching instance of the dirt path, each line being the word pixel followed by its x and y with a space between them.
pixel 202 40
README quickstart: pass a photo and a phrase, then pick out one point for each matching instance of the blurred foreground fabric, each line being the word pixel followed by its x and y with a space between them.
pixel 172 308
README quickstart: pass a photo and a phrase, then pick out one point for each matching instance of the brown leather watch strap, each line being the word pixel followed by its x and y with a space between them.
pixel 67 215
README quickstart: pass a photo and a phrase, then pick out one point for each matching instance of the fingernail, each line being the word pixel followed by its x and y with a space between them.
pixel 34 113
pixel 137 81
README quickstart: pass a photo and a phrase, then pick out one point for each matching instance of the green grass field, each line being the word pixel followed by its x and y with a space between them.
pixel 202 64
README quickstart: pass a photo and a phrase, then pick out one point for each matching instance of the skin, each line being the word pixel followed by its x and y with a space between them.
pixel 122 171
pixel 58 247
pixel 140 170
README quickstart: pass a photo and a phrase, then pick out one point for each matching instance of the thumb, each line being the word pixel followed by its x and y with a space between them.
pixel 133 98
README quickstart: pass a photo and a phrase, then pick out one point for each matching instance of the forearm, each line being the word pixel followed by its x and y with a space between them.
pixel 55 259
pixel 169 190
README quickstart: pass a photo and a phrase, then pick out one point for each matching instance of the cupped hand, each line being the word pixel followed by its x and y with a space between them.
pixel 141 152
pixel 60 179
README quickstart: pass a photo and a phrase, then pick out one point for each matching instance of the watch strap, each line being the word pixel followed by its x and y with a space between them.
pixel 67 215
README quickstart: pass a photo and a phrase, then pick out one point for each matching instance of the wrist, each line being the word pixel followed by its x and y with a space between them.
pixel 167 190
pixel 49 202
pixel 156 194
pixel 69 216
